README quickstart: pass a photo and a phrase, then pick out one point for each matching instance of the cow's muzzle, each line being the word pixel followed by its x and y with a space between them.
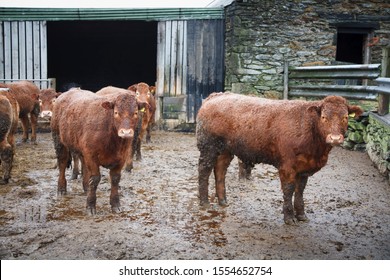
pixel 126 133
pixel 46 114
pixel 335 139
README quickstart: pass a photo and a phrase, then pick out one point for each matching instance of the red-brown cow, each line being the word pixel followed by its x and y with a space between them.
pixel 27 95
pixel 145 93
pixel 9 117
pixel 109 90
pixel 294 136
pixel 47 97
pixel 101 130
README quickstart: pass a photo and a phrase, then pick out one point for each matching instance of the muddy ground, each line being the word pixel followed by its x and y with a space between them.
pixel 348 203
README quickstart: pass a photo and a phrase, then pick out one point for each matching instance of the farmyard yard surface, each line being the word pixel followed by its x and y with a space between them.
pixel 347 202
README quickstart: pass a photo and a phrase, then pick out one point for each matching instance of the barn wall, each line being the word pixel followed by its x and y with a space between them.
pixel 23 51
pixel 262 34
pixel 190 65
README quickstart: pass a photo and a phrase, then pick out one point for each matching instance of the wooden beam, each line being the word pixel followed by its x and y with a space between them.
pixel 383 99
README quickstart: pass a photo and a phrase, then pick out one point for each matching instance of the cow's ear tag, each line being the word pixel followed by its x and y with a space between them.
pixel 352 115
pixel 143 110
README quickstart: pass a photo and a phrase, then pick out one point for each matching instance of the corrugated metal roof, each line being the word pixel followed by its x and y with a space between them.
pixel 54 14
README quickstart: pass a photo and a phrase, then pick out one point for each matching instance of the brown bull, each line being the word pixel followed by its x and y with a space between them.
pixel 27 95
pixel 9 114
pixel 294 136
pixel 101 130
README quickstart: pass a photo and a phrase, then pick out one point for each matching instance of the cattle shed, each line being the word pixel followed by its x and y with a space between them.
pixel 180 50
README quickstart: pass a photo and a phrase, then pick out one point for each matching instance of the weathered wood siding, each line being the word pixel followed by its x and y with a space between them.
pixel 190 65
pixel 205 40
pixel 23 51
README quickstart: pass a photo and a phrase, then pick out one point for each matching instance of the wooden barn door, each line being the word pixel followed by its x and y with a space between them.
pixel 205 52
pixel 23 51
pixel 190 65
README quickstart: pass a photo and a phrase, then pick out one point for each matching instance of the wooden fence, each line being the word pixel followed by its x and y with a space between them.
pixel 321 81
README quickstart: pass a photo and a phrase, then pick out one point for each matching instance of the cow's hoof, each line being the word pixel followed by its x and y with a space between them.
pixel 61 192
pixel 91 211
pixel 290 221
pixel 116 209
pixel 3 181
pixel 204 203
pixel 74 176
pixel 223 203
pixel 302 218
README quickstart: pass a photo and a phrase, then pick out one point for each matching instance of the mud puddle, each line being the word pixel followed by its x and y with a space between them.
pixel 348 203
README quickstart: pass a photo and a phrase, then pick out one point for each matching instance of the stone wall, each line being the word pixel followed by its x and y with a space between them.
pixel 378 142
pixel 262 34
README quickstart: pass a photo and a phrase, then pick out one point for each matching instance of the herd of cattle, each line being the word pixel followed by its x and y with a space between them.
pixel 106 129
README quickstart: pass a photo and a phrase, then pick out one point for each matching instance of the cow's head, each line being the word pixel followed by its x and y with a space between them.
pixel 125 109
pixel 331 118
pixel 47 98
pixel 142 91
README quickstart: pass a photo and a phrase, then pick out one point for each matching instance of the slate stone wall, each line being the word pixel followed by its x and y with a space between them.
pixel 262 34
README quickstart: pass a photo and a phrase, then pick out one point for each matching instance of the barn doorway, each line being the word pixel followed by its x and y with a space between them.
pixel 95 54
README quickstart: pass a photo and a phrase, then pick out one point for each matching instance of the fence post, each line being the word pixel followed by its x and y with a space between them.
pixel 285 80
pixel 383 99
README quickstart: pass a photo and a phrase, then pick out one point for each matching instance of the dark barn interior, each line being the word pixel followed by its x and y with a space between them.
pixel 95 54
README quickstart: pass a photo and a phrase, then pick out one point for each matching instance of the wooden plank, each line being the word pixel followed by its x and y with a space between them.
pixel 22 50
pixel 36 50
pixel 304 93
pixel 161 30
pixel 14 50
pixel 29 51
pixel 363 71
pixel 2 66
pixel 173 61
pixel 7 51
pixel 191 71
pixel 184 60
pixel 167 58
pixel 43 53
pixel 384 99
pixel 179 58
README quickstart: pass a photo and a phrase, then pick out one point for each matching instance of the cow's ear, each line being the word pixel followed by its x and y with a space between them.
pixel 108 105
pixel 142 105
pixel 133 88
pixel 314 110
pixel 356 111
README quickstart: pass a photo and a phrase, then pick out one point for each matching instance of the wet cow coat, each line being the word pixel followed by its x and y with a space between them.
pixel 27 96
pixel 101 130
pixel 294 136
pixel 9 113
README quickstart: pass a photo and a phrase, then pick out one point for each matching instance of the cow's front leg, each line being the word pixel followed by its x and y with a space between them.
pixel 299 205
pixel 91 194
pixel 288 187
pixel 115 176
pixel 34 124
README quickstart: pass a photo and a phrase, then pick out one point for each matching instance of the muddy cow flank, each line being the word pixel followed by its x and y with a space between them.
pixel 47 97
pixel 27 96
pixel 294 136
pixel 9 116
pixel 101 130
pixel 146 93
